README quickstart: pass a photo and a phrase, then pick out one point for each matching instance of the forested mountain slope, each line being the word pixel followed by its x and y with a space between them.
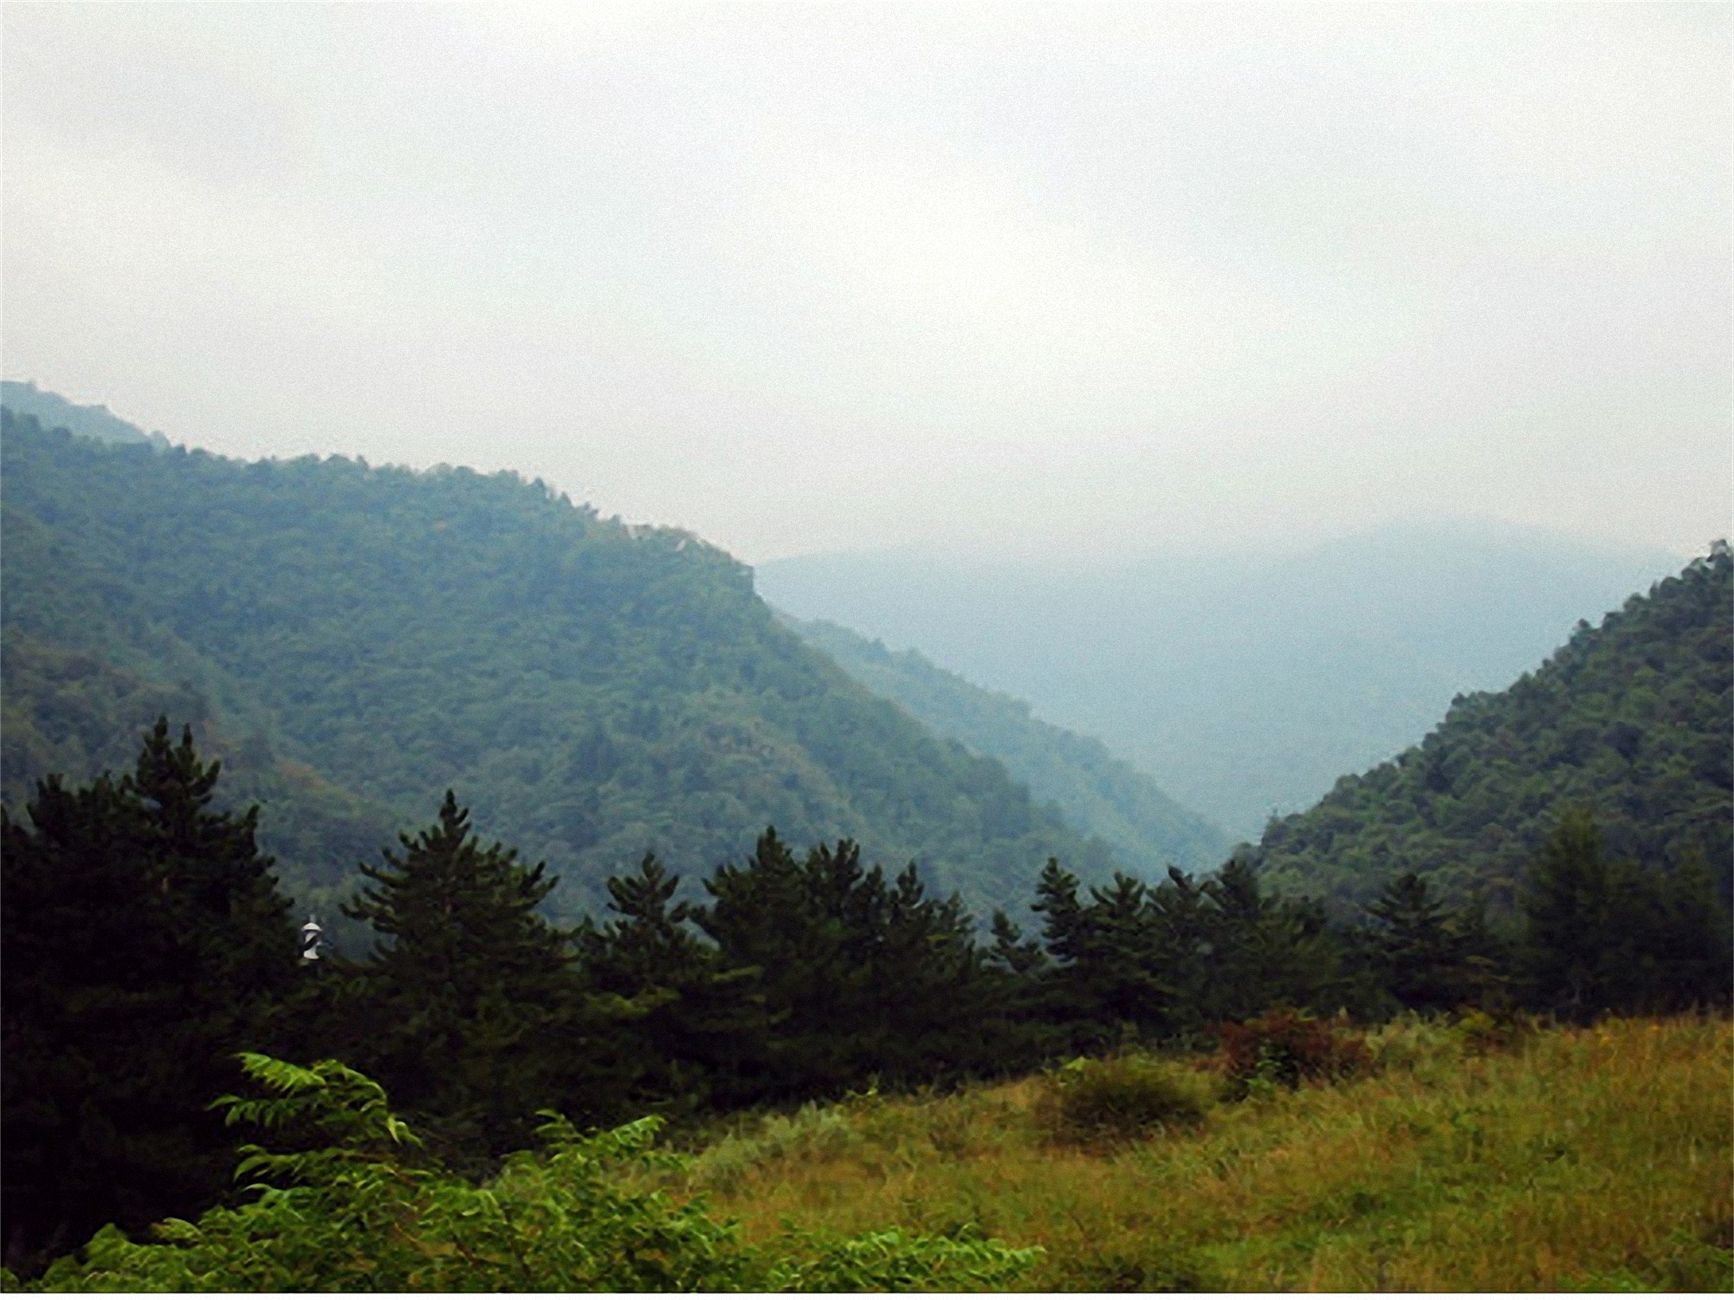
pixel 1097 793
pixel 360 639
pixel 1242 682
pixel 1630 720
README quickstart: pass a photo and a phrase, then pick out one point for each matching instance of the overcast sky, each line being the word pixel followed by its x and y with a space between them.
pixel 810 277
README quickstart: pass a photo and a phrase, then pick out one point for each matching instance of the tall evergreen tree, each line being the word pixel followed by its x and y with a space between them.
pixel 144 943
pixel 472 1011
pixel 1575 928
pixel 858 977
pixel 1606 935
pixel 1418 946
pixel 1266 951
pixel 694 1023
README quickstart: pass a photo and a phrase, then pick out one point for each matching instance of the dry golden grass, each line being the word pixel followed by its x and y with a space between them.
pixel 1600 1158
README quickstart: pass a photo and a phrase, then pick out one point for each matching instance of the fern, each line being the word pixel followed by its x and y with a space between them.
pixel 359 1214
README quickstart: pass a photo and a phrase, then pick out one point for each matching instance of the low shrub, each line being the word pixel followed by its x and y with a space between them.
pixel 1480 1031
pixel 1119 1099
pixel 1413 1042
pixel 1285 1048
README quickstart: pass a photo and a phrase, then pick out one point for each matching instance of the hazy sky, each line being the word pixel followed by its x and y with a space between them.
pixel 805 277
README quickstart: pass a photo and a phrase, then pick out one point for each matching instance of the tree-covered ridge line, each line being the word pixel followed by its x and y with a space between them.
pixel 365 638
pixel 1097 793
pixel 1633 720
pixel 55 412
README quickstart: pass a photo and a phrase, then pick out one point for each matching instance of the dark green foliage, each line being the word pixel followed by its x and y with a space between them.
pixel 1634 719
pixel 1170 960
pixel 1266 950
pixel 468 1008
pixel 698 1022
pixel 1096 793
pixel 1286 1048
pixel 1428 956
pixel 351 1207
pixel 858 975
pixel 378 636
pixel 143 942
pixel 1119 1099
pixel 1604 935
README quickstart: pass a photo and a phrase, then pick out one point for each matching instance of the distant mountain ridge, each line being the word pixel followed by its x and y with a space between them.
pixel 1244 683
pixel 1632 721
pixel 355 640
pixel 1095 792
pixel 55 412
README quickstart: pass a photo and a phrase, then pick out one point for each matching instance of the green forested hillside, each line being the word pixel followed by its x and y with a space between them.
pixel 1095 792
pixel 1629 721
pixel 355 640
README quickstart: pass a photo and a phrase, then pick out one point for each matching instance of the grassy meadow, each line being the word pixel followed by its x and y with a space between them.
pixel 1456 1159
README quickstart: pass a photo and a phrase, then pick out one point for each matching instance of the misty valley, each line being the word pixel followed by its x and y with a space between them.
pixel 417 880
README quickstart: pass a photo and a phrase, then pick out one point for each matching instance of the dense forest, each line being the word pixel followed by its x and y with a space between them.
pixel 1243 681
pixel 1632 720
pixel 354 640
pixel 1095 792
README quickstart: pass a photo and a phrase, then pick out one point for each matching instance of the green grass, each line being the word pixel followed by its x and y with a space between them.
pixel 1568 1159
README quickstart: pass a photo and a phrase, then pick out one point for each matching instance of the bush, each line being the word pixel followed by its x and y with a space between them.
pixel 1119 1099
pixel 1283 1048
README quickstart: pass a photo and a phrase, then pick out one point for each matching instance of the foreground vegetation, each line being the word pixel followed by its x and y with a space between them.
pixel 354 1205
pixel 1425 1155
pixel 1571 1158
pixel 145 943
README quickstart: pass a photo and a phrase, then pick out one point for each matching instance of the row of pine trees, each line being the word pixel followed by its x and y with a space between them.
pixel 145 942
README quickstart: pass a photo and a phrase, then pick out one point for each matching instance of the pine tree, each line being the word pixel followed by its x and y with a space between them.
pixel 144 944
pixel 858 977
pixel 1418 946
pixel 693 1022
pixel 473 1010
pixel 1266 952
pixel 1607 935
pixel 1574 931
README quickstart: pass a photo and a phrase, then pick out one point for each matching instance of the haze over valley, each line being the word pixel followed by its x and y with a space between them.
pixel 1247 681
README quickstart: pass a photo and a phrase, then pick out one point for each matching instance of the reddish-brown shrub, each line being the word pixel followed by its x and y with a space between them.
pixel 1284 1047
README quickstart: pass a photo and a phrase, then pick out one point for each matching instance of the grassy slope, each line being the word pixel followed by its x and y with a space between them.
pixel 1596 1158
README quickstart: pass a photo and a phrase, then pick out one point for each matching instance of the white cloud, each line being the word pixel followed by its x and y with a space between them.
pixel 848 275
